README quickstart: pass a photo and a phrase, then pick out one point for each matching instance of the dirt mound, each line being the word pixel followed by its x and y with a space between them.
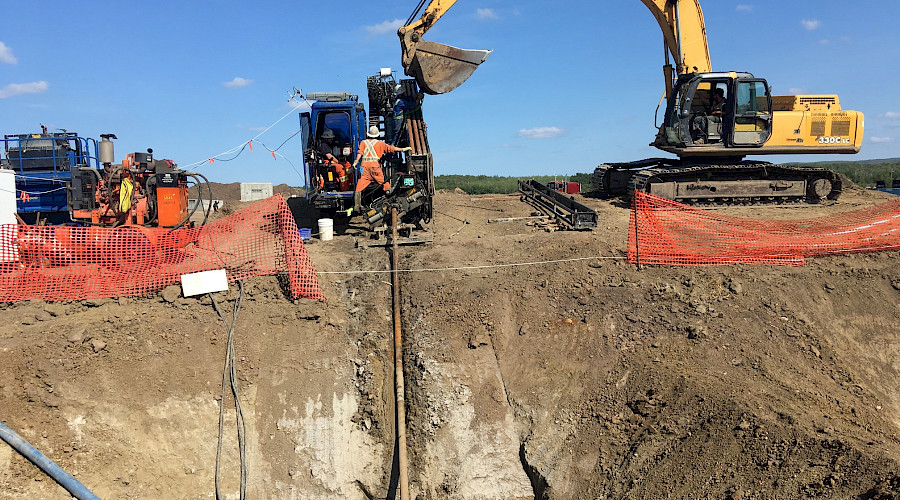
pixel 560 379
pixel 231 192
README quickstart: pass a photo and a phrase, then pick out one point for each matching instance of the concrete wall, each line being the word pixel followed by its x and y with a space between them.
pixel 252 191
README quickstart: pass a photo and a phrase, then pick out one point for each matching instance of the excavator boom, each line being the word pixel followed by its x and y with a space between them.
pixel 684 33
pixel 437 68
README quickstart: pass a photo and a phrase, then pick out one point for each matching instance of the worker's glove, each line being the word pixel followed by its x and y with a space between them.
pixel 355 163
pixel 407 148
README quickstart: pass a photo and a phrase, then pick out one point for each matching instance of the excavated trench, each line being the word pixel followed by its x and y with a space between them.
pixel 538 481
pixel 590 379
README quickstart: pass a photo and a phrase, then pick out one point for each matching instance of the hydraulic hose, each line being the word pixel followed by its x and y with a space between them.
pixel 50 467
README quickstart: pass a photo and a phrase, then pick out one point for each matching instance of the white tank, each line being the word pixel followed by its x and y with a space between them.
pixel 107 151
pixel 8 250
pixel 7 196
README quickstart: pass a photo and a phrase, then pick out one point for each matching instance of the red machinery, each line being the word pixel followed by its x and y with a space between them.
pixel 565 187
pixel 139 192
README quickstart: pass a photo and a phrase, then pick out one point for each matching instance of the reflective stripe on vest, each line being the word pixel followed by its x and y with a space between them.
pixel 369 154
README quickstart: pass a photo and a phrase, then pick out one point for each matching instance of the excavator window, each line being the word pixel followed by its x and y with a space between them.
pixel 339 123
pixel 707 111
pixel 752 113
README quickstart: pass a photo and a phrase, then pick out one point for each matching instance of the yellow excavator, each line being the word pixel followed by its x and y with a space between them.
pixel 712 119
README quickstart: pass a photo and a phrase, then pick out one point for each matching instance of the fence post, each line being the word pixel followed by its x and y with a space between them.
pixel 634 211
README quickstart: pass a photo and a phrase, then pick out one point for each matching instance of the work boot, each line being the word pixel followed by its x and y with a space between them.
pixel 357 202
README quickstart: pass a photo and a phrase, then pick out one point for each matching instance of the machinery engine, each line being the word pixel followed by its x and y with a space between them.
pixel 140 191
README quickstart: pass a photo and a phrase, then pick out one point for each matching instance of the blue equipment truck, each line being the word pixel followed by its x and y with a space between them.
pixel 342 116
pixel 44 164
pixel 396 109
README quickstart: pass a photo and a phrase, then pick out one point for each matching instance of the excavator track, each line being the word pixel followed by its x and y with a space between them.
pixel 600 181
pixel 720 184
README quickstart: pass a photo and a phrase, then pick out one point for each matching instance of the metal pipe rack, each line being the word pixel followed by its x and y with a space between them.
pixel 564 208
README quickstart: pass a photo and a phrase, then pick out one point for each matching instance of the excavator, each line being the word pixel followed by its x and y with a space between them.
pixel 712 120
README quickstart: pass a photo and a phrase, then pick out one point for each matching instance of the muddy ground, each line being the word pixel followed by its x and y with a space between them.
pixel 575 379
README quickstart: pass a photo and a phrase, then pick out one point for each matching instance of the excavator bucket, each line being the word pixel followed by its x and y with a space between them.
pixel 440 68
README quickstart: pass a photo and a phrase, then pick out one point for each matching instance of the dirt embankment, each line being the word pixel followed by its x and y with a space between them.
pixel 597 380
pixel 578 379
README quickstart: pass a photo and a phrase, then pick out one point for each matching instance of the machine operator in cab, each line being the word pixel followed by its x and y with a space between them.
pixel 327 148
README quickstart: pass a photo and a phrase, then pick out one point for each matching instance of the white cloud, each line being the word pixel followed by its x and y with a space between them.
pixel 798 90
pixel 881 139
pixel 485 14
pixel 824 41
pixel 6 55
pixel 385 27
pixel 892 115
pixel 744 8
pixel 237 83
pixel 23 88
pixel 253 129
pixel 541 132
pixel 811 24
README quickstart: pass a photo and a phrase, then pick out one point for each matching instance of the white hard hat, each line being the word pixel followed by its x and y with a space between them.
pixel 373 132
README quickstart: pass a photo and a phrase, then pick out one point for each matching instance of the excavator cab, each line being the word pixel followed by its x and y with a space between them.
pixel 716 114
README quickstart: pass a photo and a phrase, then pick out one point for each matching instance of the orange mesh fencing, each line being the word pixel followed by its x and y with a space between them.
pixel 666 232
pixel 75 263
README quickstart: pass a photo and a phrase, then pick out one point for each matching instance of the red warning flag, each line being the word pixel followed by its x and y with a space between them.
pixel 211 160
pixel 250 143
pixel 273 156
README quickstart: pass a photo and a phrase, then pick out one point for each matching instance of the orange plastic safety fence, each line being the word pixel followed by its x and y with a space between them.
pixel 666 232
pixel 74 263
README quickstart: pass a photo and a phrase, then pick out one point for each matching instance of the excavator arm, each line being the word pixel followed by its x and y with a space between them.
pixel 440 68
pixel 437 68
pixel 684 36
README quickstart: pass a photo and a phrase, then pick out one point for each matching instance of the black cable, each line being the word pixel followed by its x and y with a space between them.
pixel 246 144
pixel 452 217
pixel 197 177
pixel 193 210
pixel 229 377
pixel 285 141
pixel 235 155
pixel 415 12
pixel 285 157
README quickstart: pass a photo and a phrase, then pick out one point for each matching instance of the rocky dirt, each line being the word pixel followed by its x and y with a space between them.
pixel 573 379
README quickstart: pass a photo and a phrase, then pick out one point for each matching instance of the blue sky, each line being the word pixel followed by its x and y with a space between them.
pixel 570 84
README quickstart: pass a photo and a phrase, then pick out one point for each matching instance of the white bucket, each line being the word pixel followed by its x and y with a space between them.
pixel 326 229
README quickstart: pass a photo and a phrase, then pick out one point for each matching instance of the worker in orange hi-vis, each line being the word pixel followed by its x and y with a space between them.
pixel 370 152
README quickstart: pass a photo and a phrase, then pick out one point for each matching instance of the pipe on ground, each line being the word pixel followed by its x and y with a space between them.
pixel 398 364
pixel 50 467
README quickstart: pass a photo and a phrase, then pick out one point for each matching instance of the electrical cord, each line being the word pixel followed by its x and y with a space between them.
pixel 241 146
pixel 229 380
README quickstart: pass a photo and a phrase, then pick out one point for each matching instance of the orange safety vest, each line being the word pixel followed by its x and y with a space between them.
pixel 342 177
pixel 369 153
